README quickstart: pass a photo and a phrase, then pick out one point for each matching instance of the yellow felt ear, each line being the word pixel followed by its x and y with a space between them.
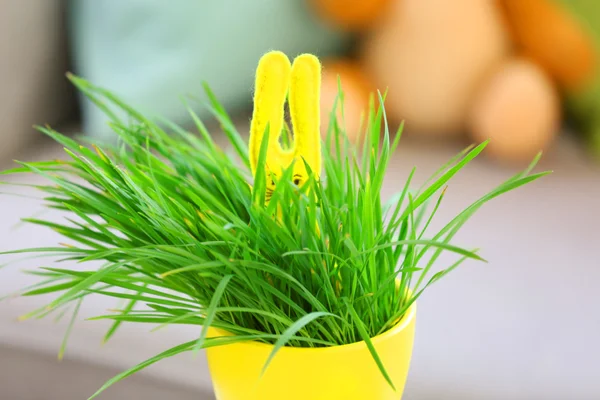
pixel 305 111
pixel 272 82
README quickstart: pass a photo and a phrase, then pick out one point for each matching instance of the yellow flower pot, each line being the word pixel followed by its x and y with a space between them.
pixel 346 372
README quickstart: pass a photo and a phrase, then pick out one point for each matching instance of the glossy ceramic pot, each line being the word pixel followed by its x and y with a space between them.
pixel 346 372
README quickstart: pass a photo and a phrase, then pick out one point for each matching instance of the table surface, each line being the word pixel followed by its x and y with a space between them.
pixel 45 377
pixel 524 326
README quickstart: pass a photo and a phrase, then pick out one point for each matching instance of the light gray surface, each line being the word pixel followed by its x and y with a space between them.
pixel 26 375
pixel 524 326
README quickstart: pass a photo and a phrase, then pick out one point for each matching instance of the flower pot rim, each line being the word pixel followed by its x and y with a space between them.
pixel 404 322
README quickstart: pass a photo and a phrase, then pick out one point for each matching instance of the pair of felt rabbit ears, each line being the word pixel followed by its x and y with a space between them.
pixel 278 80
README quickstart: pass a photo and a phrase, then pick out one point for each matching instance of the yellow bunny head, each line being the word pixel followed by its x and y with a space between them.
pixel 275 77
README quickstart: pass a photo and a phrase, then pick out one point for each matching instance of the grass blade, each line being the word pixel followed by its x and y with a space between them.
pixel 211 310
pixel 366 338
pixel 290 332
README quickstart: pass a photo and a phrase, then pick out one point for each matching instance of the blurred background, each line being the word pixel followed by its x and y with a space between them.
pixel 523 73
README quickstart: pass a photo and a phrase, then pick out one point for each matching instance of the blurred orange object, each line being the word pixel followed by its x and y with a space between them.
pixel 518 109
pixel 350 14
pixel 551 36
pixel 433 55
pixel 489 69
pixel 356 88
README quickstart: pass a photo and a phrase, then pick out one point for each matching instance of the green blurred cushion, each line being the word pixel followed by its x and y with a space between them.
pixel 151 52
pixel 584 106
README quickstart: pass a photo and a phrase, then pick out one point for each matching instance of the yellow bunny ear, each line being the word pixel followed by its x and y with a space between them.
pixel 305 111
pixel 272 81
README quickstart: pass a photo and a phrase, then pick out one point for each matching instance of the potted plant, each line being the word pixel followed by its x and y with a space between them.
pixel 303 281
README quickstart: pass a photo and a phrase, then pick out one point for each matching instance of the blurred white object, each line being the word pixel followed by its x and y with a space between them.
pixel 152 52
pixel 32 71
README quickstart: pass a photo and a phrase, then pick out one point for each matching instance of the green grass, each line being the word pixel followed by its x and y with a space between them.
pixel 185 237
